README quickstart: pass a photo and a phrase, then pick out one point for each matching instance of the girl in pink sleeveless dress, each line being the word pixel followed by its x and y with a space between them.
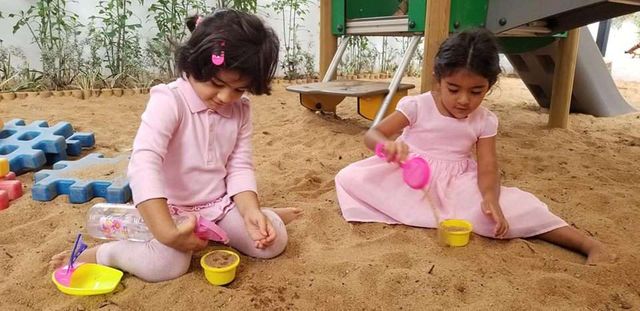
pixel 444 127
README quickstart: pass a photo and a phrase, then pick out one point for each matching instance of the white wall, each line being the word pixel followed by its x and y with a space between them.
pixel 623 66
pixel 22 38
pixel 307 35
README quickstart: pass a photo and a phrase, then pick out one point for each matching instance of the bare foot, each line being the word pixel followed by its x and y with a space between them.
pixel 61 259
pixel 288 214
pixel 599 254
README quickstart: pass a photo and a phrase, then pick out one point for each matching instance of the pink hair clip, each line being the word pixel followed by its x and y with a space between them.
pixel 218 59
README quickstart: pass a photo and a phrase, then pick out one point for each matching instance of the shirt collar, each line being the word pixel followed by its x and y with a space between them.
pixel 196 104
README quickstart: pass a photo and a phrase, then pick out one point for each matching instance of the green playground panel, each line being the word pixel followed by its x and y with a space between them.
pixel 465 14
pixel 338 17
pixel 370 8
pixel 517 45
pixel 341 10
pixel 417 15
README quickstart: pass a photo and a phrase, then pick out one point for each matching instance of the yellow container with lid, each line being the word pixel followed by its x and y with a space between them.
pixel 220 266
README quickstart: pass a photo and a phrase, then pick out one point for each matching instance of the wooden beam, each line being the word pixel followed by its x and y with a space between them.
pixel 328 42
pixel 563 76
pixel 436 31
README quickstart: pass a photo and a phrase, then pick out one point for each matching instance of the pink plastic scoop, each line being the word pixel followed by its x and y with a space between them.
pixel 208 230
pixel 415 170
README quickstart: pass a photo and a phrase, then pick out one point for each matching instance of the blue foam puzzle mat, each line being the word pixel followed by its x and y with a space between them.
pixel 82 180
pixel 29 147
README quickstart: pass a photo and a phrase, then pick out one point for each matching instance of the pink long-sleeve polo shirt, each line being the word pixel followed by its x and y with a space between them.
pixel 187 153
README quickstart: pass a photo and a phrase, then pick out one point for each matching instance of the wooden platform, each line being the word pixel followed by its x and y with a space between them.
pixel 325 96
pixel 353 88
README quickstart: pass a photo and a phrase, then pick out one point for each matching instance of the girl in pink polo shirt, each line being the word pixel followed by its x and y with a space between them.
pixel 192 153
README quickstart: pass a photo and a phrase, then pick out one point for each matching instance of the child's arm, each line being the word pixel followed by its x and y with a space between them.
pixel 159 121
pixel 181 237
pixel 395 151
pixel 150 146
pixel 241 184
pixel 489 183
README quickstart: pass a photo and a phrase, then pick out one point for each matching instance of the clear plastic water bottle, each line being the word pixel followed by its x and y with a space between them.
pixel 117 222
pixel 109 221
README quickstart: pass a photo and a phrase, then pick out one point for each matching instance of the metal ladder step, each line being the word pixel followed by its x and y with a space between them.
pixel 383 26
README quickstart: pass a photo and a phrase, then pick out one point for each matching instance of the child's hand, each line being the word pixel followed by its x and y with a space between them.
pixel 185 240
pixel 260 228
pixel 396 151
pixel 492 209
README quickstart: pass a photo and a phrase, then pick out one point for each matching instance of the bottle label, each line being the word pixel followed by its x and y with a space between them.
pixel 113 228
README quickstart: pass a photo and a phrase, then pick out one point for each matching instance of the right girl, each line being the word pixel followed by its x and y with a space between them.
pixel 444 127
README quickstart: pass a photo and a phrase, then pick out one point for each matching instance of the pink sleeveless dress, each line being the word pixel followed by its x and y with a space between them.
pixel 372 190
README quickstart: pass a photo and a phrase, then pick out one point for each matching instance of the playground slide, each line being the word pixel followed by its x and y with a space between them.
pixel 594 91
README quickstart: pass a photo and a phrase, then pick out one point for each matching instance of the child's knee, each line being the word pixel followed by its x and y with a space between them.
pixel 342 174
pixel 151 261
pixel 167 264
pixel 162 263
pixel 343 178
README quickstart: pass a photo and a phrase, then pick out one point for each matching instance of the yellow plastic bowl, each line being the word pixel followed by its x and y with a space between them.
pixel 90 279
pixel 455 232
pixel 220 276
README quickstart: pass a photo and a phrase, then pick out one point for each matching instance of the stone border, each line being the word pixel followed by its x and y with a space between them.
pixel 118 92
pixel 79 94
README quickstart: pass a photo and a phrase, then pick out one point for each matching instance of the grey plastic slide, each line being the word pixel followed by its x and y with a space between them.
pixel 594 91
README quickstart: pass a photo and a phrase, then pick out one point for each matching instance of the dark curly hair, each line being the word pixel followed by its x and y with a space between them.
pixel 250 47
pixel 475 50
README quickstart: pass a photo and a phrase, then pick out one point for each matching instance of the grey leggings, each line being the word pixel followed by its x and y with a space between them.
pixel 154 262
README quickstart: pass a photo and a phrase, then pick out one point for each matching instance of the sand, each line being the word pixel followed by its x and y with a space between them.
pixel 588 175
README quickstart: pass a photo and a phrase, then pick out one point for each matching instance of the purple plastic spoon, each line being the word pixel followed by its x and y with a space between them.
pixel 63 274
